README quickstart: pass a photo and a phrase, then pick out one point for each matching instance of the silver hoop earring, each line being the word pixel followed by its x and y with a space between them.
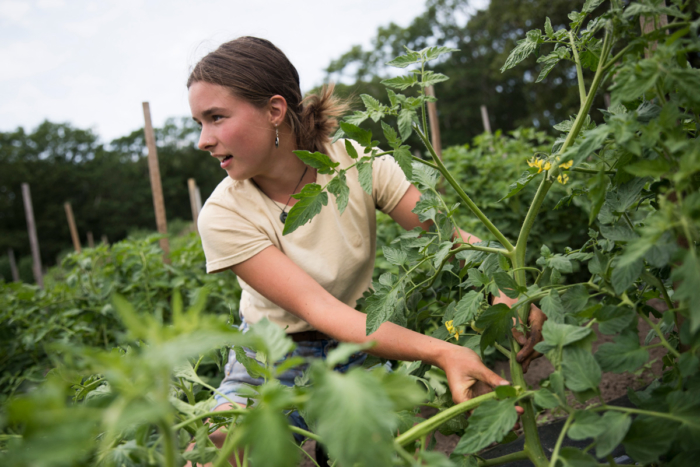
pixel 277 137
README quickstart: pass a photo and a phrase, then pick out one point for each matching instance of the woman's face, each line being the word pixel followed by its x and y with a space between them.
pixel 240 135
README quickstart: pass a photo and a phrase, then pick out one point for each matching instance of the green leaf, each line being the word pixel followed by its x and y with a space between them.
pixel 552 307
pixel 275 343
pixel 405 119
pixel 560 263
pixel 685 406
pixel 401 82
pixel 338 187
pixel 591 5
pixel 391 136
pixel 266 430
pixel 580 369
pixel 381 305
pixel 356 133
pixel 318 161
pixel 405 160
pixel 575 299
pixel 254 368
pixel 489 423
pixel 524 49
pixel 427 207
pixel 624 275
pixel 402 61
pixel 593 140
pixel 425 176
pixel 572 457
pixel 586 425
pixel 364 170
pixel 616 426
pixel 431 78
pixel 688 274
pixel 613 319
pixel 648 168
pixel 343 352
pixel 431 53
pixel 311 200
pixel 468 307
pixel 648 438
pixel 548 63
pixel 496 322
pixel 623 355
pixel 545 399
pixel 521 183
pixel 442 252
pixel 507 285
pixel 557 336
pixel 477 278
pixel 505 391
pixel 548 28
pixel 353 416
pixel 620 232
pixel 395 256
pixel 352 152
pixel 375 109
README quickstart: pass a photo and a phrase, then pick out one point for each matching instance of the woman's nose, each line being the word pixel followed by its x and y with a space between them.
pixel 205 141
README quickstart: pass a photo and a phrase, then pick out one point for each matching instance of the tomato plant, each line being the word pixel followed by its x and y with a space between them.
pixel 630 182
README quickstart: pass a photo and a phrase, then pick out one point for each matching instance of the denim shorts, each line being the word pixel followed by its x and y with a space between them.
pixel 236 376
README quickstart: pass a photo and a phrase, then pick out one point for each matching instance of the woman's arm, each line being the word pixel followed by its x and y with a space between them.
pixel 272 274
pixel 403 214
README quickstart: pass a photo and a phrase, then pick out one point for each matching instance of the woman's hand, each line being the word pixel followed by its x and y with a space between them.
pixel 467 375
pixel 528 341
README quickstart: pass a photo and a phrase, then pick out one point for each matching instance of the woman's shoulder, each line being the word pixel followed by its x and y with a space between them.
pixel 229 195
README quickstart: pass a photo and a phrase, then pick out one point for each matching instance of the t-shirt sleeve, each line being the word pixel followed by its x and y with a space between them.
pixel 227 237
pixel 389 183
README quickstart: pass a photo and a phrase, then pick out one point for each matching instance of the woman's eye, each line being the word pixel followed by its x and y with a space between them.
pixel 216 117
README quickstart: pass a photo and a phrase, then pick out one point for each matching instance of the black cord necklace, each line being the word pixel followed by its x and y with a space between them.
pixel 283 214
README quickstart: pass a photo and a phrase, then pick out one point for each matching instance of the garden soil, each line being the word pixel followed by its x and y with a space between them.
pixel 613 387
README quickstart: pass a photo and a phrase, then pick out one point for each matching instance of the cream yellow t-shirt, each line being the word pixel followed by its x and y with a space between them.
pixel 238 221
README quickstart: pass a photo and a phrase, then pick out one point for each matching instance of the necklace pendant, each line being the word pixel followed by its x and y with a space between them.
pixel 283 216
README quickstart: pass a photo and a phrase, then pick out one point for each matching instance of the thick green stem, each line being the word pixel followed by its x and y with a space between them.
pixel 168 443
pixel 516 456
pixel 467 200
pixel 560 440
pixel 579 69
pixel 533 446
pixel 302 432
pixel 435 421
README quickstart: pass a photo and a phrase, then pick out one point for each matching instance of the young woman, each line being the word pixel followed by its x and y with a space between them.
pixel 246 97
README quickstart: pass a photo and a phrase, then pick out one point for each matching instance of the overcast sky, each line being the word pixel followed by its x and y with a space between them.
pixel 92 63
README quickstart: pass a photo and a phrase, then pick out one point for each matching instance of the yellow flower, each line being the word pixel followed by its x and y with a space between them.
pixel 541 164
pixel 567 165
pixel 547 166
pixel 563 178
pixel 457 335
pixel 450 328
pixel 533 162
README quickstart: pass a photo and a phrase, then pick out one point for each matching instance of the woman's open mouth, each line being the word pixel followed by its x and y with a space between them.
pixel 226 161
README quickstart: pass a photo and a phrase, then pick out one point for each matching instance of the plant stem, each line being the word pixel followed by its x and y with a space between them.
pixel 168 443
pixel 209 414
pixel 656 282
pixel 435 421
pixel 579 70
pixel 423 161
pixel 555 454
pixel 591 171
pixel 660 334
pixel 403 454
pixel 467 200
pixel 516 456
pixel 533 445
pixel 302 432
pixel 640 412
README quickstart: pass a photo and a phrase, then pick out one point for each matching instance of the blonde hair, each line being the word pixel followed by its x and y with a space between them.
pixel 255 70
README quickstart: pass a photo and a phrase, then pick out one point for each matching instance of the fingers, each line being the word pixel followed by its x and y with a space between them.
pixel 519 337
pixel 489 377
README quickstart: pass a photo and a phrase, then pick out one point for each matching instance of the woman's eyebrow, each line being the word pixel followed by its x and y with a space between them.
pixel 212 111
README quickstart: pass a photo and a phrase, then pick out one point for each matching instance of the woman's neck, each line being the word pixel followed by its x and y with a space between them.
pixel 287 174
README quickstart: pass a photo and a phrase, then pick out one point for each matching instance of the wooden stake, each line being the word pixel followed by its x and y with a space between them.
pixel 649 24
pixel 72 227
pixel 485 119
pixel 91 240
pixel 192 188
pixel 33 239
pixel 434 124
pixel 199 201
pixel 105 240
pixel 156 187
pixel 13 265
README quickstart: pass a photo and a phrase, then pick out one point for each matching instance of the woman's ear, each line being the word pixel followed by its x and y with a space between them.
pixel 277 107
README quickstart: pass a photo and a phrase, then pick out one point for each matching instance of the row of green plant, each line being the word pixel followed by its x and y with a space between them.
pixel 630 182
